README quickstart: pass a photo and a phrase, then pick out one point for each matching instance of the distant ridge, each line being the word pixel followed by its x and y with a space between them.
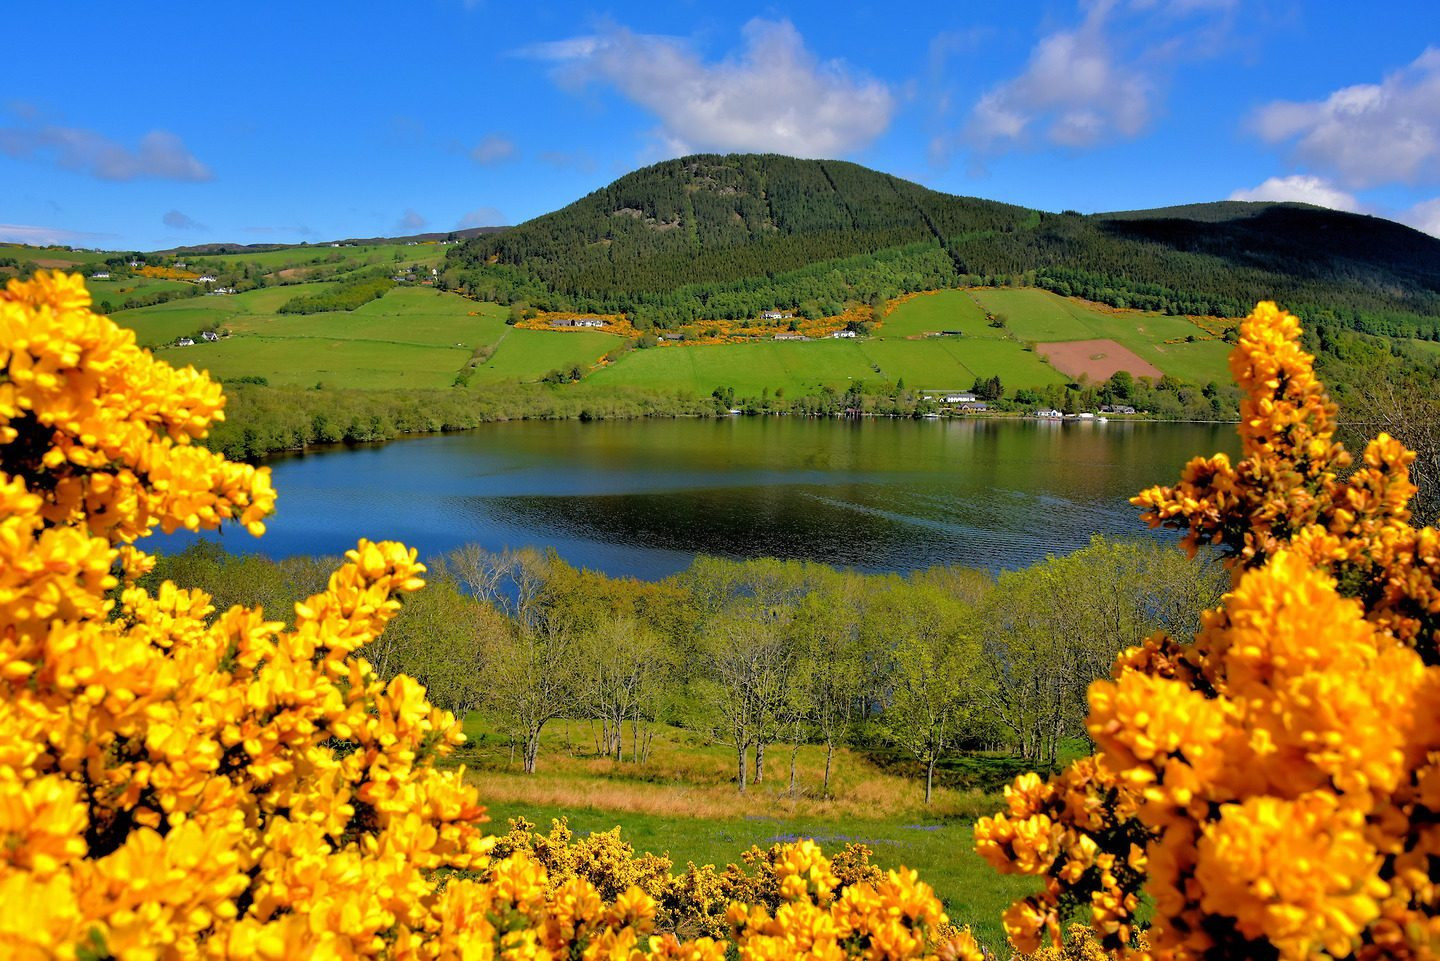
pixel 729 236
pixel 224 248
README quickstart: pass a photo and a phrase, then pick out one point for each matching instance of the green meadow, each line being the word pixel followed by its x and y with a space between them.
pixel 681 802
pixel 1039 316
pixel 418 336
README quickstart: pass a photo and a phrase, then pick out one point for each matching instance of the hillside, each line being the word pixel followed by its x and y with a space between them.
pixel 675 265
pixel 726 237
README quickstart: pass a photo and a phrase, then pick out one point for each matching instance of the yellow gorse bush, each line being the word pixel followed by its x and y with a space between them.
pixel 181 783
pixel 1273 784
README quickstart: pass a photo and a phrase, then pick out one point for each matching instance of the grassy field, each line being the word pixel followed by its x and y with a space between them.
pixel 1038 315
pixel 324 254
pixel 412 337
pixel 416 336
pixel 433 334
pixel 682 802
pixel 940 311
pixel 530 354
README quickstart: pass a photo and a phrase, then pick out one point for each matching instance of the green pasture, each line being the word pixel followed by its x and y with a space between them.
pixel 945 310
pixel 324 254
pixel 411 337
pixel 54 258
pixel 749 368
pixel 335 362
pixel 531 354
pixel 117 291
pixel 162 323
pixel 934 363
pixel 1040 316
pixel 419 316
pixel 165 323
pixel 682 803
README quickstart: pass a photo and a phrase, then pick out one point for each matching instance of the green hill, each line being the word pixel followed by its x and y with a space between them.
pixel 726 237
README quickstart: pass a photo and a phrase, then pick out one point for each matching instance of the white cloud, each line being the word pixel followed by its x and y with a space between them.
pixel 1071 90
pixel 1302 188
pixel 411 222
pixel 1424 216
pixel 1101 80
pixel 45 236
pixel 481 217
pixel 774 95
pixel 492 149
pixel 1369 133
pixel 159 155
pixel 574 48
pixel 179 221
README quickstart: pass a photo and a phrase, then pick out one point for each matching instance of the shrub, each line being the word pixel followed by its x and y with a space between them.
pixel 1273 783
pixel 177 782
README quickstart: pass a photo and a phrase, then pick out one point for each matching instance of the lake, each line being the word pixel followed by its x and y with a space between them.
pixel 642 498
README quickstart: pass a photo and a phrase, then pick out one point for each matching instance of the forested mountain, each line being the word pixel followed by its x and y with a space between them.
pixel 726 237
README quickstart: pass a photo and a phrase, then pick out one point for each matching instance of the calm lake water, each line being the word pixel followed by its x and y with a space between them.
pixel 643 497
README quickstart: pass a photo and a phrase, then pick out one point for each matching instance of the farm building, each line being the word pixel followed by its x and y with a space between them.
pixel 843 333
pixel 949 396
pixel 577 322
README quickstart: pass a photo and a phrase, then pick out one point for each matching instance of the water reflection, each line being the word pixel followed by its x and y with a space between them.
pixel 643 498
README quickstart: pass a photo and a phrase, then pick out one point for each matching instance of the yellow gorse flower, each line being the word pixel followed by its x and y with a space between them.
pixel 178 782
pixel 1271 784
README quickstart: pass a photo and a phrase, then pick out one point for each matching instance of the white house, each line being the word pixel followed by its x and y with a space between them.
pixel 776 315
pixel 843 333
pixel 185 342
pixel 209 335
pixel 205 279
pixel 100 275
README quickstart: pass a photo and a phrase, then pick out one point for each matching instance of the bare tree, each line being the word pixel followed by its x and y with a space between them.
pixel 749 662
pixel 513 581
pixel 532 681
pixel 619 662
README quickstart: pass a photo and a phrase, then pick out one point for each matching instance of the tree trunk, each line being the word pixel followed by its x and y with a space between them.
pixel 829 752
pixel 929 779
pixel 532 751
pixel 759 761
pixel 793 751
pixel 740 778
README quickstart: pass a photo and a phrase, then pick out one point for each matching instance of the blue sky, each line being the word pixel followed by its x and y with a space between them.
pixel 146 125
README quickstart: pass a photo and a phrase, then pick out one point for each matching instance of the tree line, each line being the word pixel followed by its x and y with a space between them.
pixel 763 656
pixel 263 419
